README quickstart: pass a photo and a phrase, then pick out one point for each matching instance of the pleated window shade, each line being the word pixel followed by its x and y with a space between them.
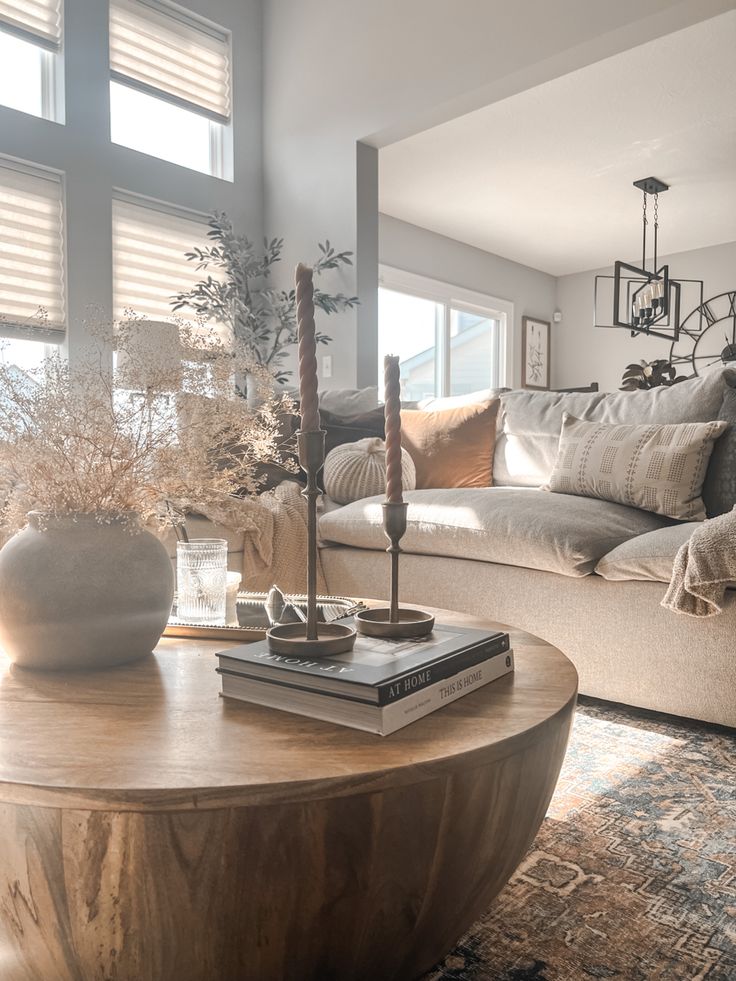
pixel 162 51
pixel 34 20
pixel 31 251
pixel 149 262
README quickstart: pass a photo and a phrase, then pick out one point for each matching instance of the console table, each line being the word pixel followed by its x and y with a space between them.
pixel 150 830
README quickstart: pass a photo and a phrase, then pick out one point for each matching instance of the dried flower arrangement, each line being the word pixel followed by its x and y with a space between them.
pixel 73 439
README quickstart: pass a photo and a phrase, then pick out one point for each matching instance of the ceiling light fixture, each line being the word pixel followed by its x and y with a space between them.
pixel 647 301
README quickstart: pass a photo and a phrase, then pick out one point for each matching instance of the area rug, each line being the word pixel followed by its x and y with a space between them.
pixel 633 873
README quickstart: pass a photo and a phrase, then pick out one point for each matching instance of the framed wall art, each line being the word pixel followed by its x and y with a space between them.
pixel 535 353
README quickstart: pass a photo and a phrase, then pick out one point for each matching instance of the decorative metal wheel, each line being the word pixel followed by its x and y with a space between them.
pixel 707 335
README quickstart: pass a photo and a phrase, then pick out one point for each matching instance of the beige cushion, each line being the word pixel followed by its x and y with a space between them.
pixel 646 557
pixel 356 470
pixel 512 526
pixel 529 423
pixel 657 468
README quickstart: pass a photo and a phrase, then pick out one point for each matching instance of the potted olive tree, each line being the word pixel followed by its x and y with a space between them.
pixel 238 292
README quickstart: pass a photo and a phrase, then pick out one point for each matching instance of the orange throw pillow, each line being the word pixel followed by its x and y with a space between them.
pixel 451 447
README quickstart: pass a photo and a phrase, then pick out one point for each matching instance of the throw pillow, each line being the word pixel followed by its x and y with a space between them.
pixel 656 468
pixel 350 428
pixel 348 401
pixel 451 447
pixel 357 470
pixel 719 491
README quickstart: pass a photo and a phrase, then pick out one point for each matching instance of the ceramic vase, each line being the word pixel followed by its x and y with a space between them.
pixel 83 591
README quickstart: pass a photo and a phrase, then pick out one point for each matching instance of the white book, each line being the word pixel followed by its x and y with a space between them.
pixel 382 720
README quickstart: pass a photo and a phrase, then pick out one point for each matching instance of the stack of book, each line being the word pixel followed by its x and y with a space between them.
pixel 380 686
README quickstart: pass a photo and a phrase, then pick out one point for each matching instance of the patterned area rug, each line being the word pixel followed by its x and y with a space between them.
pixel 633 873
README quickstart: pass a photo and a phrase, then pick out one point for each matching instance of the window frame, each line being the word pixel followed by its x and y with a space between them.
pixel 51 65
pixel 450 297
pixel 220 130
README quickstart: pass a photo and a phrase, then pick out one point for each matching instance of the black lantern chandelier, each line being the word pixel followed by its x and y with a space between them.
pixel 647 301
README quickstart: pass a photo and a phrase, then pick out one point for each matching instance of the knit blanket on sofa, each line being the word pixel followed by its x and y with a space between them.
pixel 704 567
pixel 274 529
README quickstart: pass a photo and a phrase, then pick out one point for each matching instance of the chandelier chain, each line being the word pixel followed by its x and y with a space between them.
pixel 644 224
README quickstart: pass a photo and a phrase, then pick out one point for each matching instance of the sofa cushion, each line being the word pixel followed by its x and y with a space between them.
pixel 348 401
pixel 657 468
pixel 356 470
pixel 341 429
pixel 529 423
pixel 508 525
pixel 451 447
pixel 719 490
pixel 647 557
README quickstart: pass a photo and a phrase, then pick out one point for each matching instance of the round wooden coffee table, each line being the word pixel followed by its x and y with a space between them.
pixel 150 830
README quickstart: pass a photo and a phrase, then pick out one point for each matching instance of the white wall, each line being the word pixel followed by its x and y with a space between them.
pixel 341 72
pixel 94 166
pixel 581 353
pixel 417 250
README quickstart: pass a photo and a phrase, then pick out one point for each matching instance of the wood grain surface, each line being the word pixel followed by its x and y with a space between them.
pixel 151 831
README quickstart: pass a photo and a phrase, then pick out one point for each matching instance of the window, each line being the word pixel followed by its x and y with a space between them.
pixel 149 243
pixel 170 85
pixel 32 302
pixel 449 341
pixel 27 356
pixel 30 40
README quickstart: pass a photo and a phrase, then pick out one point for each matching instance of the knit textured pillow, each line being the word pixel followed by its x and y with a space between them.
pixel 656 468
pixel 356 470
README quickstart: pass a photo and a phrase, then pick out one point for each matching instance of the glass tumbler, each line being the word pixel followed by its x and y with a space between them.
pixel 201 572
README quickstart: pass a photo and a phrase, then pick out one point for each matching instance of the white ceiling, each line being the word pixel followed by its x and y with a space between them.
pixel 544 177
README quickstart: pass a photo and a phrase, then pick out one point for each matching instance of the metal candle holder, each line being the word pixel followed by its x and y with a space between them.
pixel 393 621
pixel 311 639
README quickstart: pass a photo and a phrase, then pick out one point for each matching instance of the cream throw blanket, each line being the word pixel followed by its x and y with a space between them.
pixel 274 529
pixel 704 566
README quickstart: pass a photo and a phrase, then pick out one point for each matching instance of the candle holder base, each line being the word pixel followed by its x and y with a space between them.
pixel 291 638
pixel 377 623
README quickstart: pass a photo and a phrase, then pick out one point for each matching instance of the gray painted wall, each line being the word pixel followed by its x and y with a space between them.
pixel 417 250
pixel 94 166
pixel 338 73
pixel 581 354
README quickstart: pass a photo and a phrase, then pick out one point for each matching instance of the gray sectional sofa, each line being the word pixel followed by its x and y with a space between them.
pixel 585 574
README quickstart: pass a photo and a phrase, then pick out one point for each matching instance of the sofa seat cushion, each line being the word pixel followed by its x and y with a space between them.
pixel 508 525
pixel 648 557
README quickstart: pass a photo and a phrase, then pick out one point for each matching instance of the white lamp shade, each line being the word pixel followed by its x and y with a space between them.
pixel 149 356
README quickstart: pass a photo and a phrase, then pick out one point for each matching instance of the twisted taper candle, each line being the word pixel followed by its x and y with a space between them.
pixel 392 411
pixel 307 350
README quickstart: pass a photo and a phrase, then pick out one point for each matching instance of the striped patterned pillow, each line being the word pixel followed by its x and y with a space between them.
pixel 659 468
